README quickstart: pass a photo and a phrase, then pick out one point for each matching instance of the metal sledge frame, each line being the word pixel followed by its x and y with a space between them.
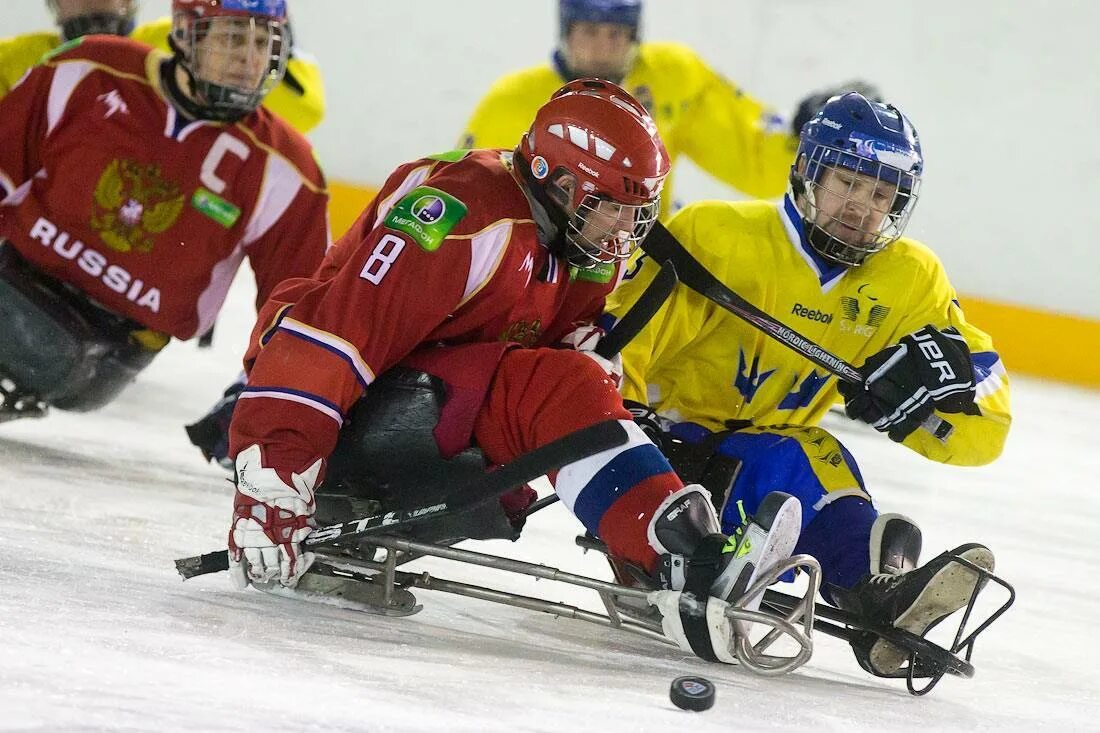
pixel 796 623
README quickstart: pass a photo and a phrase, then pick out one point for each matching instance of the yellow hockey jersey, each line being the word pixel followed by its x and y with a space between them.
pixel 698 113
pixel 695 361
pixel 300 99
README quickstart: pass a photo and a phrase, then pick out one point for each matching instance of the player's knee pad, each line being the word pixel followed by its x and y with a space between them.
pixel 58 345
pixel 572 384
pixel 806 462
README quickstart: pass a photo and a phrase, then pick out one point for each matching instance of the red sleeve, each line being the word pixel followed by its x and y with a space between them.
pixel 23 127
pixel 386 297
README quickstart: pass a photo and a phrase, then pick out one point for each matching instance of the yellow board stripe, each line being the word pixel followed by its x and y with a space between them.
pixel 1040 343
pixel 346 202
pixel 1030 341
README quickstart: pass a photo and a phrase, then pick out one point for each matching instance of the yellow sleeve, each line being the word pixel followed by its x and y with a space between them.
pixel 508 108
pixel 671 330
pixel 20 53
pixel 299 99
pixel 977 439
pixel 735 138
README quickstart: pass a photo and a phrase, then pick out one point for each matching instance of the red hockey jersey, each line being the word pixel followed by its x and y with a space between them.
pixel 107 188
pixel 447 254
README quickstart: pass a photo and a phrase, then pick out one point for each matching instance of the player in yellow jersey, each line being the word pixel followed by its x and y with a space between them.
pixel 299 99
pixel 699 114
pixel 739 411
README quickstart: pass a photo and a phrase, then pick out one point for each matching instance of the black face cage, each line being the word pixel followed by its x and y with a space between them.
pixel 102 22
pixel 251 66
pixel 877 226
pixel 603 231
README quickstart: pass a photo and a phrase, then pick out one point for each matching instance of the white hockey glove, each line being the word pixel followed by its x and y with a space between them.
pixel 270 520
pixel 585 339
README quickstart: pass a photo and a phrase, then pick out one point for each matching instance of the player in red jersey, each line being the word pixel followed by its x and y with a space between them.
pixel 134 184
pixel 472 267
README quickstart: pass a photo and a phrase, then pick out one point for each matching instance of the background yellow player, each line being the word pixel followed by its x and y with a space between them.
pixel 299 99
pixel 699 114
pixel 739 411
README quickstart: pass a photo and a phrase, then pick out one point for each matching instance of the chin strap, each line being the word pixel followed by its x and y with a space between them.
pixel 568 74
pixel 183 101
pixel 96 23
pixel 552 221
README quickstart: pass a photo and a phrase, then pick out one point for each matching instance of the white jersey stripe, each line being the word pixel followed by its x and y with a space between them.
pixel 65 79
pixel 211 299
pixel 334 343
pixel 281 184
pixel 292 397
pixel 992 381
pixel 411 181
pixel 487 249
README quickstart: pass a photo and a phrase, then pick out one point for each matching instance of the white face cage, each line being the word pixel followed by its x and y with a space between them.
pixel 235 61
pixel 604 231
pixel 855 206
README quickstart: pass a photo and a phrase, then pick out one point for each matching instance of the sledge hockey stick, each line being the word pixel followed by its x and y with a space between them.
pixel 550 457
pixel 665 248
pixel 632 323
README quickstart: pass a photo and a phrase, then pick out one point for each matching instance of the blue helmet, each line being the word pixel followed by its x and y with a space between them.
pixel 621 12
pixel 872 139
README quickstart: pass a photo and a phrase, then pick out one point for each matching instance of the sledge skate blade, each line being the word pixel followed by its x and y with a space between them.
pixel 779 542
pixel 949 590
pixel 352 595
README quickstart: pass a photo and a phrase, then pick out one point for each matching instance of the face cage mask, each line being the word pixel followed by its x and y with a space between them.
pixel 231 101
pixel 109 24
pixel 876 229
pixel 595 234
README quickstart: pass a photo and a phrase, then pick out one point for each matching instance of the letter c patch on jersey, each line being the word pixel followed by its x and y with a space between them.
pixel 427 215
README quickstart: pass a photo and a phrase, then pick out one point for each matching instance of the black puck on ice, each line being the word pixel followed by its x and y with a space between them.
pixel 692 693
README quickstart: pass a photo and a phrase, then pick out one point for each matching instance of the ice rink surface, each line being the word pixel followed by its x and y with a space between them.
pixel 97 632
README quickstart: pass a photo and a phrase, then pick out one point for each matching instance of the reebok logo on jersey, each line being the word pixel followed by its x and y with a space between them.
pixel 427 215
pixel 813 315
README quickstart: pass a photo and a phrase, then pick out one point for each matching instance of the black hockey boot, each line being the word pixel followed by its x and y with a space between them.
pixel 914 601
pixel 697 554
pixel 720 566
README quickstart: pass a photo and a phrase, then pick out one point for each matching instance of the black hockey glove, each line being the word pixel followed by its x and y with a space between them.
pixel 652 424
pixel 211 433
pixel 809 106
pixel 927 370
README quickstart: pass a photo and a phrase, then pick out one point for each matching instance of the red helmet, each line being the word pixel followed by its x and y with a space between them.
pixel 255 49
pixel 600 135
